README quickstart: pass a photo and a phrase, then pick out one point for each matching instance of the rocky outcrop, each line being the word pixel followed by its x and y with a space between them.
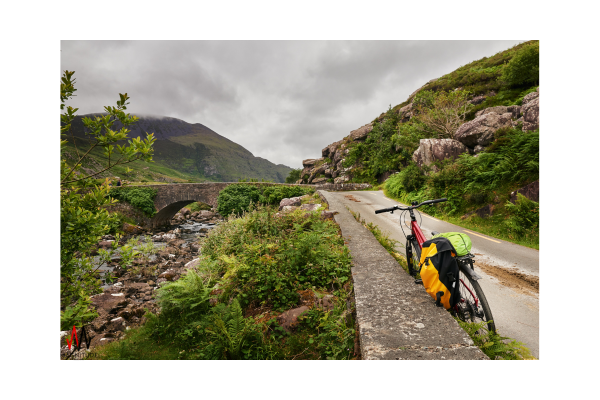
pixel 531 96
pixel 531 115
pixel 480 131
pixel 531 191
pixel 431 150
pixel 361 133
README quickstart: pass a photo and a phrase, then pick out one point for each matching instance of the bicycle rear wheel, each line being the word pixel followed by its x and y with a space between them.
pixel 473 306
pixel 413 257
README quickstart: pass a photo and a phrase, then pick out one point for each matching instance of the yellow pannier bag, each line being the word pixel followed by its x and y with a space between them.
pixel 439 271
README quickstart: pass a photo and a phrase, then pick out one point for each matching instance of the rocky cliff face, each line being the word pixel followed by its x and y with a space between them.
pixel 471 137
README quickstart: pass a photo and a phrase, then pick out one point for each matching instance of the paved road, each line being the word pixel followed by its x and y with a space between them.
pixel 515 309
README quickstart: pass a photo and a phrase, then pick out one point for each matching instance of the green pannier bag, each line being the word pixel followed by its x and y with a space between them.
pixel 460 241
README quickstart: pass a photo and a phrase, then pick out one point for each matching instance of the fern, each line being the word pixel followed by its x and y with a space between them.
pixel 234 335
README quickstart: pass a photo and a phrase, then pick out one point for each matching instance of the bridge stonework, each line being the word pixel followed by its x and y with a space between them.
pixel 172 198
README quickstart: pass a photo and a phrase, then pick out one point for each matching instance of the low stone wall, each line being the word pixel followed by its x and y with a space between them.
pixel 341 187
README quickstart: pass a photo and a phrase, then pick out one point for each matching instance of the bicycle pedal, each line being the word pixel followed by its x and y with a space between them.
pixel 419 281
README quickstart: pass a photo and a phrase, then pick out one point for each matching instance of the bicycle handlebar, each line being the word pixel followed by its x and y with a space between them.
pixel 391 209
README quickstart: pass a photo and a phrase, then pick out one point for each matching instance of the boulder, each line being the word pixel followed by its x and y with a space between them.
pixel 383 177
pixel 485 211
pixel 317 181
pixel 326 303
pixel 531 191
pixel 109 302
pixel 116 324
pixel 481 130
pixel 309 162
pixel 361 133
pixel 530 97
pixel 328 215
pixel 497 110
pixel 105 244
pixel 328 172
pixel 477 100
pixel 310 207
pixel 431 150
pixel 531 115
pixel 100 340
pixel 330 150
pixel 289 319
pixel 288 208
pixel 341 179
pixel 292 201
pixel 192 263
pixel 406 111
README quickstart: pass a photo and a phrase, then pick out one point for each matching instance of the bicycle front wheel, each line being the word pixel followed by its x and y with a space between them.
pixel 472 305
pixel 413 257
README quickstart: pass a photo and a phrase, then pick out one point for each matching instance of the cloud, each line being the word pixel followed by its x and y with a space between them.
pixel 282 100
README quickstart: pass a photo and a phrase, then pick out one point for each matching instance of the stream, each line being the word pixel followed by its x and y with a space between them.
pixel 189 232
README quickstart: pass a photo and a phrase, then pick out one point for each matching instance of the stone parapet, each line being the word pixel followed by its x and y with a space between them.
pixel 397 319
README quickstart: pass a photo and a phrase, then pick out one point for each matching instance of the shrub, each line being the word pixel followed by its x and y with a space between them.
pixel 410 179
pixel 524 67
pixel 274 194
pixel 236 199
pixel 141 198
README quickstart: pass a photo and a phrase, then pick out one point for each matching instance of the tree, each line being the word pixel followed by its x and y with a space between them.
pixel 84 218
pixel 293 176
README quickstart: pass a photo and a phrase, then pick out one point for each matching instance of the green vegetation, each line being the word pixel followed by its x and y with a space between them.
pixel 376 154
pixel 83 217
pixel 471 182
pixel 494 346
pixel 251 269
pixel 237 198
pixel 198 206
pixel 139 197
pixel 293 176
pixel 524 67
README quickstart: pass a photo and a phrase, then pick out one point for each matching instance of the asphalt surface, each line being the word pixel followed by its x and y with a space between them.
pixel 515 311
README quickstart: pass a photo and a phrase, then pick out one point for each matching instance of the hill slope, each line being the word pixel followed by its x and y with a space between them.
pixel 192 152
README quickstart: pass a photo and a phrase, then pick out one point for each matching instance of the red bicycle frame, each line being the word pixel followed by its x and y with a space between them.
pixel 418 233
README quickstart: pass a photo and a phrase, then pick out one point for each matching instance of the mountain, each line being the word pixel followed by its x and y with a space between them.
pixel 195 151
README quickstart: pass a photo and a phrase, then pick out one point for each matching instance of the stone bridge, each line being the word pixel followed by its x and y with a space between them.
pixel 173 197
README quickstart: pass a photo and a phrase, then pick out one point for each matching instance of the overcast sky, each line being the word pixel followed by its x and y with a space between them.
pixel 281 100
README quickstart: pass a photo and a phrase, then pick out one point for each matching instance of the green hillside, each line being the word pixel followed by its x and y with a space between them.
pixel 186 152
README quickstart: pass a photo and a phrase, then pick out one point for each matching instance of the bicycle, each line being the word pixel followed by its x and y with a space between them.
pixel 472 306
